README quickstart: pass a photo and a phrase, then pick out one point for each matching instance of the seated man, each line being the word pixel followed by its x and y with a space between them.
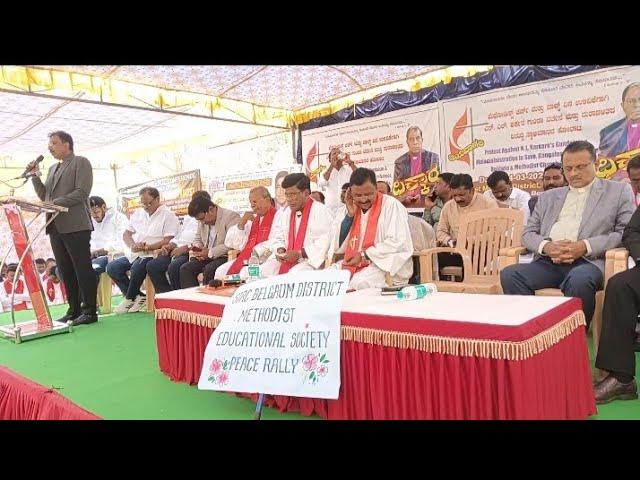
pixel 552 177
pixel 170 258
pixel 619 317
pixel 506 195
pixel 633 171
pixel 379 240
pixel 106 237
pixel 41 268
pixel 434 203
pixel 252 232
pixel 570 230
pixel 464 199
pixel 149 229
pixel 55 291
pixel 209 250
pixel 301 234
pixel 21 299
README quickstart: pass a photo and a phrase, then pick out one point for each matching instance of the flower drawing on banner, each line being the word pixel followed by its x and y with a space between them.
pixel 216 366
pixel 218 373
pixel 315 367
pixel 223 378
pixel 310 362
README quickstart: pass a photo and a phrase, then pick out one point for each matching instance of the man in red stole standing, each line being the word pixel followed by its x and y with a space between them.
pixel 301 234
pixel 379 239
pixel 252 232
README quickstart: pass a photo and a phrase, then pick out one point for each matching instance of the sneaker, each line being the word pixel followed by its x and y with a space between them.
pixel 139 305
pixel 124 306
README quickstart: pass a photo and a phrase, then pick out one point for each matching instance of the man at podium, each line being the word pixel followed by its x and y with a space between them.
pixel 68 184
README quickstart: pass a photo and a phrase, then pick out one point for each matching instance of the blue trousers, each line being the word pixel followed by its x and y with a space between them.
pixel 159 267
pixel 580 279
pixel 129 286
pixel 100 265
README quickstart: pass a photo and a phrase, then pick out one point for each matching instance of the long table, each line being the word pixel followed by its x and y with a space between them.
pixel 447 356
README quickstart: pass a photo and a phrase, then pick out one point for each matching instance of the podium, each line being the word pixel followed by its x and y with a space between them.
pixel 42 325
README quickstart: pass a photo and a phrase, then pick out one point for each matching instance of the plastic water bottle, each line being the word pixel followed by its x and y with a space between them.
pixel 253 267
pixel 414 292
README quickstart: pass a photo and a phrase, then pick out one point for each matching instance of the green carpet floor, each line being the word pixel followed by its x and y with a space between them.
pixel 111 369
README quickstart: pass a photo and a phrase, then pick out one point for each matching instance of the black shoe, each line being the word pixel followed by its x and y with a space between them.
pixel 85 319
pixel 611 389
pixel 67 317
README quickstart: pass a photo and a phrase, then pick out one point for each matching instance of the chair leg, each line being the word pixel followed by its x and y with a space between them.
pixel 104 294
pixel 596 329
pixel 151 294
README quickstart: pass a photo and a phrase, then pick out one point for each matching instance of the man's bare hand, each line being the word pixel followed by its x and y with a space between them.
pixel 354 261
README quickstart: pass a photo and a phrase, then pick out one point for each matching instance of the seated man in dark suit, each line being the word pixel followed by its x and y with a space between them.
pixel 619 318
pixel 570 230
pixel 552 177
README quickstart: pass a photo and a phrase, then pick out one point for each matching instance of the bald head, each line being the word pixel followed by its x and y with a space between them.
pixel 260 200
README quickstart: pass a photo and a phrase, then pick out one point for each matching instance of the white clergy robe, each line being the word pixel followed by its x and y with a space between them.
pixel 316 240
pixel 392 249
pixel 236 239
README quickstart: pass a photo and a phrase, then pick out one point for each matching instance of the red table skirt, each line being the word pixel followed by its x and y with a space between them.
pixel 382 382
pixel 23 399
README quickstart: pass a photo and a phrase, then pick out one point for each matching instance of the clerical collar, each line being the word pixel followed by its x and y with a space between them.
pixel 584 189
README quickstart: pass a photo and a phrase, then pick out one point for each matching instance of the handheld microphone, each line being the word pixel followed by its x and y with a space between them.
pixel 26 174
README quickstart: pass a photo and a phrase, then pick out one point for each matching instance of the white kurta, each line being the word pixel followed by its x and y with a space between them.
pixel 391 251
pixel 316 240
pixel 237 239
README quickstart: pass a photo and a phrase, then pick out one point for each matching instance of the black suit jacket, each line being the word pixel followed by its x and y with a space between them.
pixel 631 236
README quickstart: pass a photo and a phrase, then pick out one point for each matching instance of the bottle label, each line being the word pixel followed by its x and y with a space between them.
pixel 254 270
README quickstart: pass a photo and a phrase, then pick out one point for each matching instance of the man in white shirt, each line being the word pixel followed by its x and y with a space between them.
pixel 174 254
pixel 570 230
pixel 506 195
pixel 254 231
pixel 21 299
pixel 340 169
pixel 149 229
pixel 106 238
pixel 379 239
pixel 301 236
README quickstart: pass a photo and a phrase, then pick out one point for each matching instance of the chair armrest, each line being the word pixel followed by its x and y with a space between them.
pixel 616 261
pixel 509 256
pixel 426 261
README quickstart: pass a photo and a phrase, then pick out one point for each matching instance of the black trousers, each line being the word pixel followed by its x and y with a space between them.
pixel 190 270
pixel 619 318
pixel 73 260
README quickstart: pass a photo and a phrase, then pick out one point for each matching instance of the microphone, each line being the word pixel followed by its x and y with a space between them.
pixel 26 173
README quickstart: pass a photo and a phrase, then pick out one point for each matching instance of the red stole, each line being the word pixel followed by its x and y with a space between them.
pixel 296 239
pixel 51 290
pixel 353 239
pixel 259 233
pixel 19 289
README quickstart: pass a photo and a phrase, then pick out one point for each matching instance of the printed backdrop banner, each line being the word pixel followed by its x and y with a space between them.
pixel 175 192
pixel 279 336
pixel 380 144
pixel 232 191
pixel 521 130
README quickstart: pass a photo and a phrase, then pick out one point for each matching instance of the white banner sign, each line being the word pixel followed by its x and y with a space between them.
pixel 232 191
pixel 523 129
pixel 279 336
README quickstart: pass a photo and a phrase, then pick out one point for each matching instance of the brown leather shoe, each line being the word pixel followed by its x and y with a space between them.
pixel 611 389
